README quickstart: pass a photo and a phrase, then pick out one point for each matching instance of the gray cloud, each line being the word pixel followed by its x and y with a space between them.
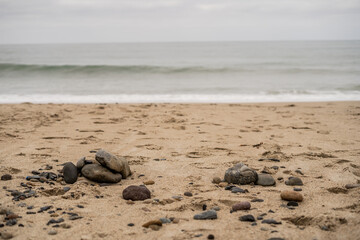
pixel 36 21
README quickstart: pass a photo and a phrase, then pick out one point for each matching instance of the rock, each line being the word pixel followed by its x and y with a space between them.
pixel 216 208
pixel 247 218
pixel 294 181
pixel 223 184
pixel 131 224
pixel 152 222
pixel 292 204
pixel 257 200
pixel 188 194
pixel 204 207
pixel 52 232
pixel 297 189
pixel 240 174
pixel 265 180
pixel 165 220
pixel 98 173
pixel 11 222
pixel 216 180
pixel 136 193
pixel 155 227
pixel 206 215
pixel 241 206
pixel 350 186
pixel 114 163
pixel 52 221
pixel 237 190
pixel 291 196
pixel 82 162
pixel 6 235
pixel 6 177
pixel 70 172
pixel 270 221
pixel 210 236
pixel 150 182
pixel 176 220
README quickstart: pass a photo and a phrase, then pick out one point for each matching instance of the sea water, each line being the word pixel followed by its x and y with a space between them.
pixel 283 71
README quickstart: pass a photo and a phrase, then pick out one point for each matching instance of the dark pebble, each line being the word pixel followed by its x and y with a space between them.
pixel 52 221
pixel 6 177
pixel 237 190
pixel 136 193
pixel 30 212
pixel 204 207
pixel 257 200
pixel 198 235
pixel 211 236
pixel 11 222
pixel 51 212
pixel 247 218
pixel 21 225
pixel 228 188
pixel 188 194
pixel 270 221
pixel 1 225
pixel 74 217
pixel 70 172
pixel 131 224
pixel 66 189
pixel 80 206
pixel 293 203
pixel 325 228
pixel 45 208
pixel 297 189
pixel 254 224
pixel 34 172
pixel 260 218
pixel 271 211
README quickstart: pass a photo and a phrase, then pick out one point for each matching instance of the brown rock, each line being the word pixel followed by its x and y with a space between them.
pixel 223 184
pixel 155 227
pixel 241 206
pixel 291 196
pixel 150 182
pixel 216 180
pixel 350 186
pixel 136 193
pixel 110 161
pixel 152 222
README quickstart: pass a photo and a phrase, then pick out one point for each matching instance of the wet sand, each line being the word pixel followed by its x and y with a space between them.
pixel 181 147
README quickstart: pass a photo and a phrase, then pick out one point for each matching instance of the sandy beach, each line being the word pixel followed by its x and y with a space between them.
pixel 181 148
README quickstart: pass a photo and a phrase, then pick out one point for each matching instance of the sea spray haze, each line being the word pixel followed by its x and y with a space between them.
pixel 181 72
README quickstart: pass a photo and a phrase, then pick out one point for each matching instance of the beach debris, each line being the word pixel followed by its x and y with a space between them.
pixel 110 161
pixel 211 214
pixel 241 206
pixel 294 181
pixel 240 174
pixel 136 193
pixel 70 173
pixel 265 180
pixel 291 196
pixel 98 173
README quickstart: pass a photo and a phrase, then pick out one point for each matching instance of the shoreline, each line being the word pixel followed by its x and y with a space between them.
pixel 182 147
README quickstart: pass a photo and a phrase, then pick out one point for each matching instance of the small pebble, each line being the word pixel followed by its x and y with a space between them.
pixel 257 200
pixel 291 196
pixel 52 232
pixel 237 190
pixel 216 180
pixel 297 189
pixel 206 215
pixel 188 194
pixel 210 236
pixel 293 204
pixel 150 182
pixel 241 206
pixel 247 218
pixel 204 207
pixel 270 221
pixel 6 177
pixel 294 181
pixel 131 224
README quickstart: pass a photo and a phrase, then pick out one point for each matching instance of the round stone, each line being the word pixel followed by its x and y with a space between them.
pixel 265 180
pixel 241 206
pixel 70 173
pixel 216 180
pixel 294 181
pixel 136 193
pixel 291 196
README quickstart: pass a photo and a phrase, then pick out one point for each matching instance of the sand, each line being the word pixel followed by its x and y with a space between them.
pixel 181 147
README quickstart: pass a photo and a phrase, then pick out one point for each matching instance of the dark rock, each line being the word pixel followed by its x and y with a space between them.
pixel 36 177
pixel 117 164
pixel 294 181
pixel 241 206
pixel 265 180
pixel 70 172
pixel 52 221
pixel 260 218
pixel 136 193
pixel 204 207
pixel 98 173
pixel 240 174
pixel 237 190
pixel 34 172
pixel 198 235
pixel 350 186
pixel 75 217
pixel 297 189
pixel 1 225
pixel 210 236
pixel 11 222
pixel 206 215
pixel 165 220
pixel 270 221
pixel 82 162
pixel 66 189
pixel 254 224
pixel 257 200
pixel 45 208
pixel 30 212
pixel 247 218
pixel 6 177
pixel 131 224
pixel 189 194
pixel 228 188
pixel 292 204
pixel 299 171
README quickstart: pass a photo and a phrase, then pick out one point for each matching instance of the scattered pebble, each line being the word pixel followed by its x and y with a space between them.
pixel 240 174
pixel 6 177
pixel 211 214
pixel 70 173
pixel 131 224
pixel 292 204
pixel 270 221
pixel 265 180
pixel 350 186
pixel 237 190
pixel 247 218
pixel 210 236
pixel 294 181
pixel 291 196
pixel 152 222
pixel 216 180
pixel 204 207
pixel 241 206
pixel 165 220
pixel 136 193
pixel 297 189
pixel 257 200
pixel 52 232
pixel 188 194
pixel 150 182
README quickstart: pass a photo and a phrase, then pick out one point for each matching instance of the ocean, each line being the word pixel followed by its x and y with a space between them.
pixel 191 72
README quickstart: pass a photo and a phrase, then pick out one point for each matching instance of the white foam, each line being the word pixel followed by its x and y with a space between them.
pixel 180 98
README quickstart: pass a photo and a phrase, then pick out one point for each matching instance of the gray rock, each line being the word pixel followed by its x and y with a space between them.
pixel 270 221
pixel 117 164
pixel 294 181
pixel 70 173
pixel 165 220
pixel 6 177
pixel 211 214
pixel 247 218
pixel 136 193
pixel 82 162
pixel 240 174
pixel 265 180
pixel 237 190
pixel 98 173
pixel 350 186
pixel 52 232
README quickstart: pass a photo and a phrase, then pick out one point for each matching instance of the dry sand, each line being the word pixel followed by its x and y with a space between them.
pixel 199 142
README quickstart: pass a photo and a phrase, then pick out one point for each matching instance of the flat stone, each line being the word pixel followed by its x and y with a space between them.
pixel 82 162
pixel 152 222
pixel 70 173
pixel 98 173
pixel 155 227
pixel 241 206
pixel 257 200
pixel 265 180
pixel 270 221
pixel 350 186
pixel 294 181
pixel 188 194
pixel 237 190
pixel 240 174
pixel 150 182
pixel 297 189
pixel 211 214
pixel 52 232
pixel 117 164
pixel 247 218
pixel 136 193
pixel 291 196
pixel 165 220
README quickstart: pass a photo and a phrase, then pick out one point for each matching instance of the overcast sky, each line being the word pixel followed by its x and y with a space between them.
pixel 52 21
